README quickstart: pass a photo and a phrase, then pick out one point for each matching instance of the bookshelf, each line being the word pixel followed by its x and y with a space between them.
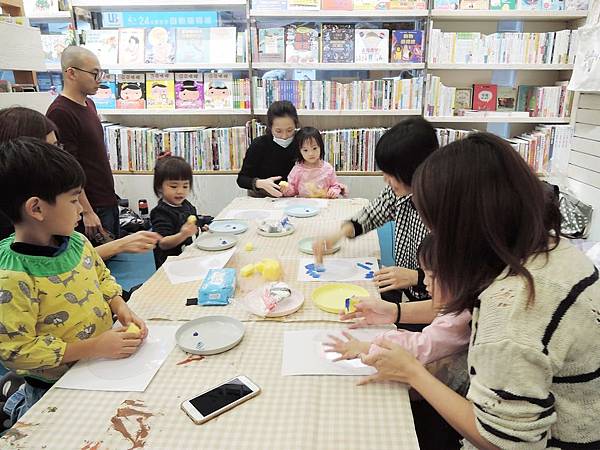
pixel 497 119
pixel 339 66
pixel 436 66
pixel 180 67
pixel 341 112
pixel 487 15
pixel 173 112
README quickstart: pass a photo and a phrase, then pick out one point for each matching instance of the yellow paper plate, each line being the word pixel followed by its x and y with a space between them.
pixel 331 297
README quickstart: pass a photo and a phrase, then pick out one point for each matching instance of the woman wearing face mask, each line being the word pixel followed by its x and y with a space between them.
pixel 270 158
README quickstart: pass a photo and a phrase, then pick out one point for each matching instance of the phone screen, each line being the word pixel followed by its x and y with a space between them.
pixel 221 396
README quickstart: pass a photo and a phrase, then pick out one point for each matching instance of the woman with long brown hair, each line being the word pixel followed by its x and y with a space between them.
pixel 534 355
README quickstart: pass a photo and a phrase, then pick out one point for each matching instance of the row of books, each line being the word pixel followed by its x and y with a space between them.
pixel 511 5
pixel 157 45
pixel 336 43
pixel 337 5
pixel 382 95
pixel 210 90
pixel 526 101
pixel 558 47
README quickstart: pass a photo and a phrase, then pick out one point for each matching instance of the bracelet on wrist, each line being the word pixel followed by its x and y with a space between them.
pixel 397 322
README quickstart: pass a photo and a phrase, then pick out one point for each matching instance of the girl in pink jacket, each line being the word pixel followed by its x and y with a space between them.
pixel 312 176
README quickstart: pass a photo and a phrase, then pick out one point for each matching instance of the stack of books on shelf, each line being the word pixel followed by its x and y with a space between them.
pixel 511 5
pixel 336 43
pixel 387 94
pixel 490 99
pixel 337 5
pixel 502 48
pixel 194 91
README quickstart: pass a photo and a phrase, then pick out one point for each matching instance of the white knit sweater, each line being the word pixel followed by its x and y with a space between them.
pixel 535 371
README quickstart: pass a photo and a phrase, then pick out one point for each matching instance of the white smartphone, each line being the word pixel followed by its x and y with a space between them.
pixel 219 399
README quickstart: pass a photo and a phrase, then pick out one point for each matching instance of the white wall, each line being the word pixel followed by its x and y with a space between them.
pixel 213 192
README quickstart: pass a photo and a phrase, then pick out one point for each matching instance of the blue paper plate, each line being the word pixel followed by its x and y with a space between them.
pixel 228 226
pixel 302 211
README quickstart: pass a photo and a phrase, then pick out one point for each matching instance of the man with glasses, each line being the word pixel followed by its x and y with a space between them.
pixel 82 135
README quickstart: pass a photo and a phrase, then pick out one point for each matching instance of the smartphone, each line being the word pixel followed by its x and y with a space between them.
pixel 217 400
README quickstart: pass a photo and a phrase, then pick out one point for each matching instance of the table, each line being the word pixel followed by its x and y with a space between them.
pixel 302 412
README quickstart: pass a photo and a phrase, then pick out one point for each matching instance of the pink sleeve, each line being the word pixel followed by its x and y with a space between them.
pixel 447 335
pixel 293 181
pixel 333 186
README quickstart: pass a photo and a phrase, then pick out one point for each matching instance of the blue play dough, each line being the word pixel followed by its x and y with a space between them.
pixel 369 275
pixel 313 270
pixel 363 266
pixel 369 263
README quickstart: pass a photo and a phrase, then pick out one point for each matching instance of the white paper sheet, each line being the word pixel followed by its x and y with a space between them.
pixel 338 269
pixel 304 353
pixel 129 374
pixel 283 203
pixel 254 214
pixel 195 269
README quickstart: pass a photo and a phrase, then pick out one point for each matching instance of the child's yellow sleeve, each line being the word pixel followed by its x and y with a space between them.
pixel 20 346
pixel 107 283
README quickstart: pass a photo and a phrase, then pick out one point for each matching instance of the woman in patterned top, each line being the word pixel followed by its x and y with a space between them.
pixel 398 154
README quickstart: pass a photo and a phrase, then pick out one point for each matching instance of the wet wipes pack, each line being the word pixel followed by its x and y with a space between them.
pixel 217 288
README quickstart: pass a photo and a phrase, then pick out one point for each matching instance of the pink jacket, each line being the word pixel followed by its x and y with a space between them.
pixel 317 182
pixel 446 335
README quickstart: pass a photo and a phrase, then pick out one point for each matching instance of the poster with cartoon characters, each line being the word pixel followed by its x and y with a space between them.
pixel 189 91
pixel 105 97
pixel 131 46
pixel 132 91
pixel 160 93
pixel 407 46
pixel 218 90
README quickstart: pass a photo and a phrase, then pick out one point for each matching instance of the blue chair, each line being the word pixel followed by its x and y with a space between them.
pixel 386 243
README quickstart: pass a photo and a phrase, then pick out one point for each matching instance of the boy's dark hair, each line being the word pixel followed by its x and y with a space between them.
pixel 17 122
pixel 281 108
pixel 171 168
pixel 30 167
pixel 404 147
pixel 307 134
pixel 425 254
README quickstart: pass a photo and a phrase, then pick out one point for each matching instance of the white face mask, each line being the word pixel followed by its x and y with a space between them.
pixel 283 142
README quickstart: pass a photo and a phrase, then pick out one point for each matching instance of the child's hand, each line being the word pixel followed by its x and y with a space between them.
pixel 127 316
pixel 372 312
pixel 116 343
pixel 189 229
pixel 349 349
pixel 333 193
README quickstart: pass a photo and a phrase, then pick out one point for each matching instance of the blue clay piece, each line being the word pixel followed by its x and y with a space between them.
pixel 369 275
pixel 369 263
pixel 363 266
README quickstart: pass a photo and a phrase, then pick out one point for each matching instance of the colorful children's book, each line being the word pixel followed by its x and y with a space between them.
pixel 303 4
pixel 474 4
pixel 223 44
pixel 131 46
pixel 463 99
pixel 160 45
pixel 131 89
pixel 336 5
pixel 507 99
pixel 302 43
pixel 337 43
pixel 503 5
pixel 529 5
pixel 271 44
pixel 192 45
pixel 371 46
pixel 53 45
pixel 526 98
pixel 407 46
pixel 189 91
pixel 106 95
pixel 160 91
pixel 484 97
pixel 40 8
pixel 218 90
pixel 104 44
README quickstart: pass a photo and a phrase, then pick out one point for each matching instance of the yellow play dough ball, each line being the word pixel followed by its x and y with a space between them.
pixel 134 329
pixel 249 247
pixel 191 219
pixel 247 270
pixel 283 184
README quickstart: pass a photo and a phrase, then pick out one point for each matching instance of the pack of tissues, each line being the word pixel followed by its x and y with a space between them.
pixel 217 288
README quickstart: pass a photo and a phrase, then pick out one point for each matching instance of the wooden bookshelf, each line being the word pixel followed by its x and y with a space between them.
pixel 338 66
pixel 488 15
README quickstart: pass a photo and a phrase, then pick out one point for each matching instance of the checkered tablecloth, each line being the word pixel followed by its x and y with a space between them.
pixel 302 412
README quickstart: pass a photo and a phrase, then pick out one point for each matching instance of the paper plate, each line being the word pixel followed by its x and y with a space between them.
pixel 253 302
pixel 214 242
pixel 289 230
pixel 331 297
pixel 301 211
pixel 228 226
pixel 209 335
pixel 305 246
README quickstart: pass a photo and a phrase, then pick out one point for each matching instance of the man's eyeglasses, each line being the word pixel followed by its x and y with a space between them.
pixel 98 76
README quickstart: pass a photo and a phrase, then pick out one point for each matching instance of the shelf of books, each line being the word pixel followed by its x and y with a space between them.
pixel 125 5
pixel 183 66
pixel 500 118
pixel 339 66
pixel 355 112
pixel 451 66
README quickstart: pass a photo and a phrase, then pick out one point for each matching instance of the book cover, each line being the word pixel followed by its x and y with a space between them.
pixel 507 99
pixel 526 100
pixel 106 95
pixel 528 5
pixel 484 97
pixel 53 45
pixel 104 44
pixel 503 5
pixel 552 5
pixel 474 4
pixel 192 45
pixel 223 44
pixel 39 8
pixel 218 90
pixel 160 91
pixel 337 43
pixel 189 91
pixel 271 44
pixel 407 46
pixel 371 46
pixel 131 46
pixel 302 43
pixel 370 5
pixel 303 4
pixel 336 5
pixel 160 45
pixel 131 89
pixel 463 98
